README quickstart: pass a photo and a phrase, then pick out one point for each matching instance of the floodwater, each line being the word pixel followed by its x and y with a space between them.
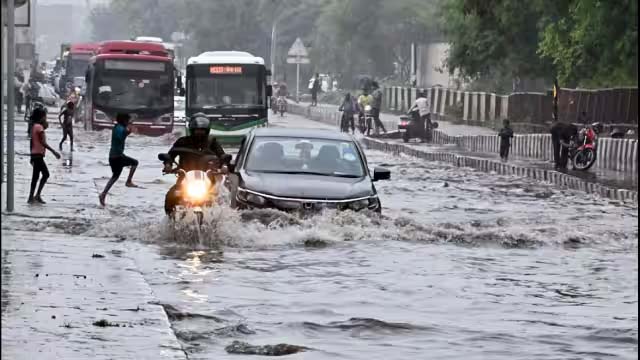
pixel 461 264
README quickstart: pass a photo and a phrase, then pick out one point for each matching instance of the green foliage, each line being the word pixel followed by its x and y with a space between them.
pixel 347 36
pixel 593 42
pixel 584 42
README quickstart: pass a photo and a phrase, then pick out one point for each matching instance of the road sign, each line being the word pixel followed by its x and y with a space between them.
pixel 297 60
pixel 22 13
pixel 298 49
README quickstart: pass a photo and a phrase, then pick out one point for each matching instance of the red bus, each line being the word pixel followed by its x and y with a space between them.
pixel 132 77
pixel 76 62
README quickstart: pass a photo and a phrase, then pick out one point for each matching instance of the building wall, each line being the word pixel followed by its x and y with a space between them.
pixel 430 69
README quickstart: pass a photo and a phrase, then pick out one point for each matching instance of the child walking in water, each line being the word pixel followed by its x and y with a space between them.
pixel 117 159
pixel 39 146
pixel 67 124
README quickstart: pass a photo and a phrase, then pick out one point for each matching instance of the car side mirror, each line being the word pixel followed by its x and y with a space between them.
pixel 380 173
pixel 269 90
pixel 164 157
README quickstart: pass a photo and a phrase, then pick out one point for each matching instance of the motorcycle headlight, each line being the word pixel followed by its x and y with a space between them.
pixel 367 108
pixel 196 190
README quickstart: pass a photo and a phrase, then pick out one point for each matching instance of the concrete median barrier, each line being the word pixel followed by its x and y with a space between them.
pixel 493 166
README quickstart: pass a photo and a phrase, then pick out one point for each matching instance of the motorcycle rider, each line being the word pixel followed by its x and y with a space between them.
pixel 363 100
pixel 282 92
pixel 197 140
pixel 349 108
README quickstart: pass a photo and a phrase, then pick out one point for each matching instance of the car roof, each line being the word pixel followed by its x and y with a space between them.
pixel 302 133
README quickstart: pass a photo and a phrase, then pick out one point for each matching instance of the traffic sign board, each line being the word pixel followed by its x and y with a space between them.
pixel 297 60
pixel 298 49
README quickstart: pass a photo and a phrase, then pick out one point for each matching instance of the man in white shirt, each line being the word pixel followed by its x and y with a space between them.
pixel 423 107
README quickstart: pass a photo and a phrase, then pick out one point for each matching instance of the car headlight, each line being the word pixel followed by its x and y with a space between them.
pixel 99 115
pixel 196 190
pixel 359 204
pixel 371 203
pixel 166 118
pixel 248 197
pixel 256 199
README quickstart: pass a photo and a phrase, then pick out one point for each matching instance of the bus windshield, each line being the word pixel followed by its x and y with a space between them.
pixel 219 86
pixel 134 89
pixel 77 65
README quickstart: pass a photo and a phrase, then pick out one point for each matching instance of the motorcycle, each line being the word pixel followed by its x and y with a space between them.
pixel 198 188
pixel 282 105
pixel 346 122
pixel 365 120
pixel 412 126
pixel 583 151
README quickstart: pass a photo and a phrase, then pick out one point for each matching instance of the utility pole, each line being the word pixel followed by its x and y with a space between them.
pixel 11 65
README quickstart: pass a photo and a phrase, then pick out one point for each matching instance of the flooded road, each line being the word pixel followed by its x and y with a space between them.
pixel 462 264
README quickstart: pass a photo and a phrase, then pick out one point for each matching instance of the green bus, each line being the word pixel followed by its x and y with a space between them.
pixel 232 89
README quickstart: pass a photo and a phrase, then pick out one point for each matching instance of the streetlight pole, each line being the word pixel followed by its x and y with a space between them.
pixel 11 64
pixel 273 49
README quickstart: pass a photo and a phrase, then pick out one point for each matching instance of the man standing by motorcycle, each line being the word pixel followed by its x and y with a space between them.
pixel 423 109
pixel 376 106
pixel 561 135
pixel 198 141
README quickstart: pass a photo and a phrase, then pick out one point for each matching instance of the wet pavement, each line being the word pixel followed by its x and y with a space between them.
pixel 462 264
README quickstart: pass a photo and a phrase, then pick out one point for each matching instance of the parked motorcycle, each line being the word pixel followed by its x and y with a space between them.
pixel 198 188
pixel 583 150
pixel 412 126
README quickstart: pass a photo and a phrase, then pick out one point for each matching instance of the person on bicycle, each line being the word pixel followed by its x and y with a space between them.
pixel 349 107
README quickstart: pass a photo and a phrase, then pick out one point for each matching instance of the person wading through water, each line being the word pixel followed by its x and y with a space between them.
pixel 39 146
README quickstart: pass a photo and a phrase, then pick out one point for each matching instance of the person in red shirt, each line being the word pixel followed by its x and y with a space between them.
pixel 38 148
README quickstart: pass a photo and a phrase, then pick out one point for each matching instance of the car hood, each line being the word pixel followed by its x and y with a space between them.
pixel 307 186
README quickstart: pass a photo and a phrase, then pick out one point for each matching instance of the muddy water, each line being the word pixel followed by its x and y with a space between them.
pixel 462 264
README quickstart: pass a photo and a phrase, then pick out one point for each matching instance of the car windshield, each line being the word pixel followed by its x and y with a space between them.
pixel 128 90
pixel 77 65
pixel 305 156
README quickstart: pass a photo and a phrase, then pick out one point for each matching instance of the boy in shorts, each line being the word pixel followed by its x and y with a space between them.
pixel 117 159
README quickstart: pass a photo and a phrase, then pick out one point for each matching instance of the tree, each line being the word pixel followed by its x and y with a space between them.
pixel 592 42
pixel 494 38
